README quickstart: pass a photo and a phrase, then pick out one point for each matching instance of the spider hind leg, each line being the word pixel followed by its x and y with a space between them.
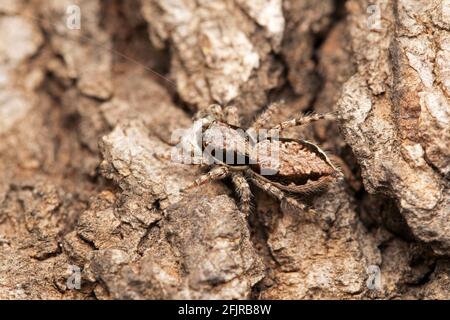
pixel 243 189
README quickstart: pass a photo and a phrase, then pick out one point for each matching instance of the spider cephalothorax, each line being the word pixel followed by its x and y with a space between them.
pixel 281 167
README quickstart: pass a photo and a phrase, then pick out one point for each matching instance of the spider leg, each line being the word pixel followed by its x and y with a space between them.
pixel 231 116
pixel 178 156
pixel 277 193
pixel 307 214
pixel 243 189
pixel 264 118
pixel 216 173
pixel 303 120
pixel 214 110
pixel 163 155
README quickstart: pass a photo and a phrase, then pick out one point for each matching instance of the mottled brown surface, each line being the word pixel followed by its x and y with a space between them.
pixel 291 160
pixel 82 114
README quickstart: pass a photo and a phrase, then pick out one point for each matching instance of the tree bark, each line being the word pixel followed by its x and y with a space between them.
pixel 87 209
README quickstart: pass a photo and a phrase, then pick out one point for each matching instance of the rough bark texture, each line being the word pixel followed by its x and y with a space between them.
pixel 83 113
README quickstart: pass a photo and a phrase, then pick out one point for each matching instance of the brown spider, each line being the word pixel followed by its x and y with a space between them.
pixel 281 167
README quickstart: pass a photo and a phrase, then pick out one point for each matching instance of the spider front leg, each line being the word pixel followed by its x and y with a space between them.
pixel 213 111
pixel 182 156
pixel 244 192
pixel 303 120
pixel 264 118
pixel 216 173
pixel 231 116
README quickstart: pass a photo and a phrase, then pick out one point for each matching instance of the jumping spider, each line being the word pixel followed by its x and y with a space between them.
pixel 301 168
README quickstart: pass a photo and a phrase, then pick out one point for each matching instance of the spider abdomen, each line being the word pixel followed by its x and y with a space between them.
pixel 293 165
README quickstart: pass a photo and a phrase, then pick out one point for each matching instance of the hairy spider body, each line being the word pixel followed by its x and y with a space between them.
pixel 300 167
pixel 226 143
pixel 281 167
